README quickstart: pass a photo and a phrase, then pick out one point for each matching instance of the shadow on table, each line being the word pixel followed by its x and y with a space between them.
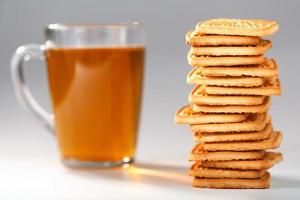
pixel 146 173
pixel 164 175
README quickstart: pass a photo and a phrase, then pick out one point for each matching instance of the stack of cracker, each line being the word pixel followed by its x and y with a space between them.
pixel 228 109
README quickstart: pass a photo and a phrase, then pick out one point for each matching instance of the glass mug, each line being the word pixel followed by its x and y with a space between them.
pixel 95 75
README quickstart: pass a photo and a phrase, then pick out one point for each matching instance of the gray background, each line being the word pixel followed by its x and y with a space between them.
pixel 22 22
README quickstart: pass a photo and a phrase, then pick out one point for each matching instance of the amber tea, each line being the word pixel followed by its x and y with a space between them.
pixel 96 97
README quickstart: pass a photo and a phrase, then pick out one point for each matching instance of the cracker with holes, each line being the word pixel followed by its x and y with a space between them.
pixel 254 50
pixel 271 87
pixel 200 172
pixel 233 136
pixel 200 155
pixel 261 108
pixel 247 27
pixel 185 115
pixel 233 183
pixel 266 69
pixel 269 143
pixel 269 159
pixel 254 122
pixel 194 38
pixel 201 61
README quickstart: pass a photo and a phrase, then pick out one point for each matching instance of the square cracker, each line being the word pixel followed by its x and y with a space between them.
pixel 202 61
pixel 270 87
pixel 185 115
pixel 233 136
pixel 195 77
pixel 269 159
pixel 254 122
pixel 248 27
pixel 258 49
pixel 198 96
pixel 233 183
pixel 266 69
pixel 270 143
pixel 200 172
pixel 197 39
pixel 264 107
pixel 224 155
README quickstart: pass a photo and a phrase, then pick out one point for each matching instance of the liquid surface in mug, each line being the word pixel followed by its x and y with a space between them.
pixel 96 97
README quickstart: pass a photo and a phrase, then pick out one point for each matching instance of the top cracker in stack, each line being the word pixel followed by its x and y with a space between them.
pixel 228 108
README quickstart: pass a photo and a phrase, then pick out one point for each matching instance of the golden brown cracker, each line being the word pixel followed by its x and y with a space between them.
pixel 198 96
pixel 270 143
pixel 233 183
pixel 264 107
pixel 254 122
pixel 258 49
pixel 201 172
pixel 269 159
pixel 197 154
pixel 185 115
pixel 197 39
pixel 242 81
pixel 268 68
pixel 270 87
pixel 233 136
pixel 248 27
pixel 202 61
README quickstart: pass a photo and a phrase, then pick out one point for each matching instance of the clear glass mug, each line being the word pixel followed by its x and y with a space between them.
pixel 95 75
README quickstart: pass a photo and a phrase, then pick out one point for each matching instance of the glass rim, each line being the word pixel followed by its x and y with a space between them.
pixel 67 26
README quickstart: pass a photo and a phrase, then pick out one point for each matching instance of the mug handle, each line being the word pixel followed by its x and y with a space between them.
pixel 22 55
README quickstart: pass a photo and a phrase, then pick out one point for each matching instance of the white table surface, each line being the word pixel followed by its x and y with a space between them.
pixel 30 169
